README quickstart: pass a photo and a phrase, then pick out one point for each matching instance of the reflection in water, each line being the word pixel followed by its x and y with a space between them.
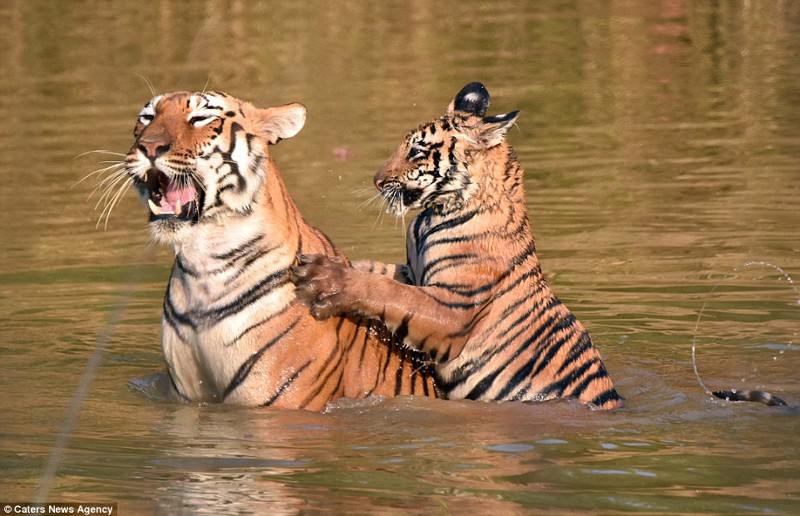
pixel 660 141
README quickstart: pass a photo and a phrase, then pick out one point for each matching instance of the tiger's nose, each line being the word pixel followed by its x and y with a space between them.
pixel 154 148
pixel 379 180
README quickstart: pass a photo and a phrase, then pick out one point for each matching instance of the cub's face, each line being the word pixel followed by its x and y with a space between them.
pixel 197 157
pixel 431 167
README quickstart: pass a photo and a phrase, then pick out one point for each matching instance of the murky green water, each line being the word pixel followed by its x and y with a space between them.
pixel 661 143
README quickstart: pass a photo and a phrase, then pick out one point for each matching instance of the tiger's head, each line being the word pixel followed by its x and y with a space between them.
pixel 197 157
pixel 432 168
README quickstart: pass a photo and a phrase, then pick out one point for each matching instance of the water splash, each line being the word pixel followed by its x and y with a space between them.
pixel 734 394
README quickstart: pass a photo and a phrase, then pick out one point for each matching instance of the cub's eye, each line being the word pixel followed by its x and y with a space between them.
pixel 146 119
pixel 201 120
pixel 414 174
pixel 416 153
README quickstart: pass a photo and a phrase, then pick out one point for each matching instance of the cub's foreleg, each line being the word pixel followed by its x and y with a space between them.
pixel 398 272
pixel 426 318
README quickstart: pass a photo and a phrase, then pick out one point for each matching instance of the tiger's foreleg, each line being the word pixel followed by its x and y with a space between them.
pixel 421 316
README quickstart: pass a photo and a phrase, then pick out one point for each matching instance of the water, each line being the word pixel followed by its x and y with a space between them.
pixel 661 144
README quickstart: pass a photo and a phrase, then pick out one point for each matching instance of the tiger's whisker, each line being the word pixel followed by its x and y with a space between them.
pixel 98 171
pixel 108 191
pixel 148 83
pixel 106 182
pixel 100 151
pixel 369 201
pixel 111 201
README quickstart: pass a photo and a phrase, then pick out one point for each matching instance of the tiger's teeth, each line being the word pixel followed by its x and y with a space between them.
pixel 155 209
pixel 178 208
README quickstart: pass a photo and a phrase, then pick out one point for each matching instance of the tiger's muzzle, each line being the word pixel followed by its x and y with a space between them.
pixel 178 197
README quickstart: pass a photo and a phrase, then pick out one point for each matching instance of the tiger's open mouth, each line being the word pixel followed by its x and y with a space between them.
pixel 171 198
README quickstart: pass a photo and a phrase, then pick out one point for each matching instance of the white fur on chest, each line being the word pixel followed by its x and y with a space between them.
pixel 213 306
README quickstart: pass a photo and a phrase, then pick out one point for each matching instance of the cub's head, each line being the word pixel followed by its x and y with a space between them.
pixel 197 157
pixel 431 168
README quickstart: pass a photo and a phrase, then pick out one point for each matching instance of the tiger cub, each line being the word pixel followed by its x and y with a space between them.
pixel 232 330
pixel 472 295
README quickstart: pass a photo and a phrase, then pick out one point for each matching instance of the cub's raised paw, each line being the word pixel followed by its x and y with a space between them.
pixel 321 283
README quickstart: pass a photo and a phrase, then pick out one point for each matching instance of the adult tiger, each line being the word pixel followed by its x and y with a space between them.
pixel 231 329
pixel 472 294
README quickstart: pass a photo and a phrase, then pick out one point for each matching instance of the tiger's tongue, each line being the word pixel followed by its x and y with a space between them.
pixel 175 197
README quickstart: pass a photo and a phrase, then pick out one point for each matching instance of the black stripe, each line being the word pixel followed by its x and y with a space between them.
pixel 427 269
pixel 421 219
pixel 367 329
pixel 538 362
pixel 557 387
pixel 565 325
pixel 238 251
pixel 401 332
pixel 380 376
pixel 329 361
pixel 482 386
pixel 242 267
pixel 244 370
pixel 256 325
pixel 584 343
pixel 515 262
pixel 285 385
pixel 474 365
pixel 445 225
pixel 412 378
pixel 606 396
pixel 514 235
pixel 524 372
pixel 185 269
pixel 175 386
pixel 437 157
pixel 174 317
pixel 253 294
pixel 398 380
pixel 578 390
pixel 499 319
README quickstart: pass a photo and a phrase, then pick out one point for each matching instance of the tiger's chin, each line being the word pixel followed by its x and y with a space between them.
pixel 170 231
pixel 176 229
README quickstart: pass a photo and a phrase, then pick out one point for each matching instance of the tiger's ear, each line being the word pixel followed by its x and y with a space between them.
pixel 281 122
pixel 473 99
pixel 492 129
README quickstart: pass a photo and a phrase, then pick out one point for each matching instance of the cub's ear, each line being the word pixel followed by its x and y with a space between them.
pixel 281 122
pixel 492 129
pixel 473 99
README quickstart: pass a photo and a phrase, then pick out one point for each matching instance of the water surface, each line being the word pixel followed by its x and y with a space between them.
pixel 661 144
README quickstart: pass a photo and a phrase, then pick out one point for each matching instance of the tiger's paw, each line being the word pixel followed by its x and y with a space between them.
pixel 323 284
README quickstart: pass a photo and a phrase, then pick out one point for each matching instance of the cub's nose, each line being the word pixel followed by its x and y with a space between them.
pixel 379 180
